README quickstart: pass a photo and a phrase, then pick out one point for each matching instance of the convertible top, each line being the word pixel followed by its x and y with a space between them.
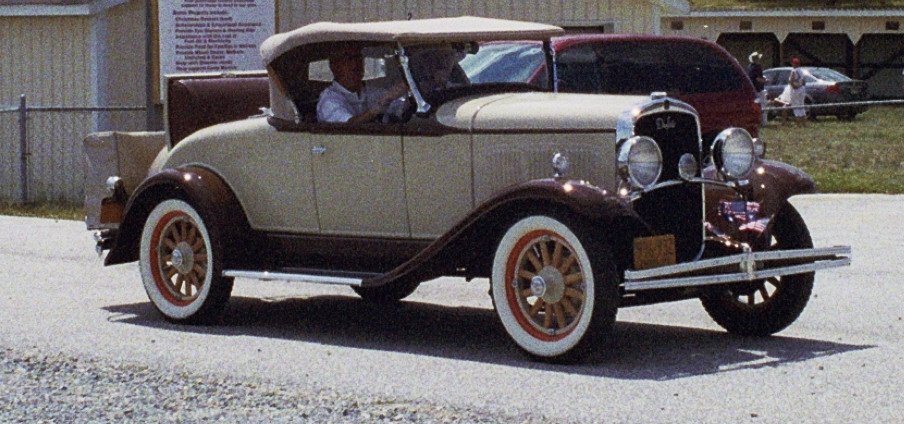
pixel 464 28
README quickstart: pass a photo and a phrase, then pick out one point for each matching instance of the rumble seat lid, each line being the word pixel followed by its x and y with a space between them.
pixel 464 28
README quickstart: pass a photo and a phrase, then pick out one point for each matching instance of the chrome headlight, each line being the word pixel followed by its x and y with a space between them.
pixel 640 161
pixel 733 153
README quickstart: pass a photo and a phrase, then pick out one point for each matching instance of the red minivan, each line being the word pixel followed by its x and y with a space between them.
pixel 696 71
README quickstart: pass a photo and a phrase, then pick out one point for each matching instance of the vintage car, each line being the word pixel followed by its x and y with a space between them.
pixel 572 205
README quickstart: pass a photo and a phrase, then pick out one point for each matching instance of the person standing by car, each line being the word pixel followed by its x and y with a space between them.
pixel 755 73
pixel 798 91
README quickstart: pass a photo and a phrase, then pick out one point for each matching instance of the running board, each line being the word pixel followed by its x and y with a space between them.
pixel 310 276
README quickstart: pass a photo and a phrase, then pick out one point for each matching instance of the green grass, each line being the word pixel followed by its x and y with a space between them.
pixel 863 156
pixel 793 4
pixel 44 210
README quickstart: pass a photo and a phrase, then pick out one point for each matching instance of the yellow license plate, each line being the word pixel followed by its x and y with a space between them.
pixel 652 252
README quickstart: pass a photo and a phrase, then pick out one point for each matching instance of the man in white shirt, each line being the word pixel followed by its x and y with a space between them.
pixel 348 99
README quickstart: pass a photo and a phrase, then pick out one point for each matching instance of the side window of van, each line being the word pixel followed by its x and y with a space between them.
pixel 641 67
pixel 579 71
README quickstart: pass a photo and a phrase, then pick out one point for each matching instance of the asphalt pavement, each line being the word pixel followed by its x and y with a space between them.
pixel 444 350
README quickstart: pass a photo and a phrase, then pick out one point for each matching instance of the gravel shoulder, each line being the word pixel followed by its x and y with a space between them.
pixel 40 387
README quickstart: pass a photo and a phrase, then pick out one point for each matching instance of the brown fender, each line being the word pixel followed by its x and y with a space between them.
pixel 204 190
pixel 771 184
pixel 473 240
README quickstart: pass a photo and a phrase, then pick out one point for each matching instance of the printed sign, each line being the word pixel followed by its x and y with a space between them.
pixel 213 35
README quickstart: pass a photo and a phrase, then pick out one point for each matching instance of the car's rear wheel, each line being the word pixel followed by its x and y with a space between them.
pixel 811 112
pixel 768 306
pixel 555 289
pixel 180 264
pixel 847 116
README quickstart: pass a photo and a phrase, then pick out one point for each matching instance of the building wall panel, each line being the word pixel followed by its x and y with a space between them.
pixel 46 58
pixel 629 16
pixel 49 60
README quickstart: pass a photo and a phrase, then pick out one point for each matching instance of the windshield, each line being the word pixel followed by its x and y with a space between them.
pixel 442 68
pixel 506 62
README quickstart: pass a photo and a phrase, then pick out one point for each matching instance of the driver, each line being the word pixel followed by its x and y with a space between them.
pixel 348 99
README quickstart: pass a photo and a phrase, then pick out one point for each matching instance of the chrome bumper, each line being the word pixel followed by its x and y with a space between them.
pixel 741 267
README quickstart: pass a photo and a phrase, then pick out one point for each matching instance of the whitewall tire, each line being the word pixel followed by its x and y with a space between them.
pixel 180 264
pixel 554 299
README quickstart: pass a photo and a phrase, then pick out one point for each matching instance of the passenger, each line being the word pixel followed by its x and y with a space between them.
pixel 348 99
pixel 436 68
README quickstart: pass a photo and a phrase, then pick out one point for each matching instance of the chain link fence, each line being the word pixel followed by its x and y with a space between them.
pixel 41 158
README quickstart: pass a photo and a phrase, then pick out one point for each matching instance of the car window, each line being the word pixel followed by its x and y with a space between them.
pixel 644 67
pixel 374 67
pixel 780 77
pixel 504 62
pixel 828 74
pixel 579 71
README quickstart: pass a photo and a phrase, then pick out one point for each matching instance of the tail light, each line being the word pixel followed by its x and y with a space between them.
pixel 834 88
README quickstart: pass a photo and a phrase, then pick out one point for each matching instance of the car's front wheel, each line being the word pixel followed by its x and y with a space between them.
pixel 180 264
pixel 555 288
pixel 768 306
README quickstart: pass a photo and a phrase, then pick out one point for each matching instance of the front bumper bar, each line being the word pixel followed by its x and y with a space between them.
pixel 741 267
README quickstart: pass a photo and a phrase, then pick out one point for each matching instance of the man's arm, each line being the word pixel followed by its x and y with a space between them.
pixel 379 106
pixel 332 108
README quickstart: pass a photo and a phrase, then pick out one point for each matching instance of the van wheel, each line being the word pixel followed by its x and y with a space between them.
pixel 766 307
pixel 180 264
pixel 555 300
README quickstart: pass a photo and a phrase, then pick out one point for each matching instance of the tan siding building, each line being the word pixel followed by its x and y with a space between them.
pixel 65 55
pixel 610 15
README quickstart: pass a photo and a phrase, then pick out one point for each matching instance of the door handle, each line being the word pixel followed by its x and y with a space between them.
pixel 318 150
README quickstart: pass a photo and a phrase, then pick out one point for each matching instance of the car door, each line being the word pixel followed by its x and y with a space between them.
pixel 778 79
pixel 437 177
pixel 359 180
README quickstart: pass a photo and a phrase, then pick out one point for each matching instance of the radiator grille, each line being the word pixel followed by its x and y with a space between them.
pixel 678 209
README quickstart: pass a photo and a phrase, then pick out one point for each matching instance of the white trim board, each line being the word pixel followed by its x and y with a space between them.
pixel 87 9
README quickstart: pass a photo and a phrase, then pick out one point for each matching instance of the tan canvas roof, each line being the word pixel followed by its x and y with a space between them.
pixel 440 29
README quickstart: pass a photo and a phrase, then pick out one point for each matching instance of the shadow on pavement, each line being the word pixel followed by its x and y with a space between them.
pixel 638 351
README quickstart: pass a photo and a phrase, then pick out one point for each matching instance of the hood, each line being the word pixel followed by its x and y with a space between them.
pixel 537 111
